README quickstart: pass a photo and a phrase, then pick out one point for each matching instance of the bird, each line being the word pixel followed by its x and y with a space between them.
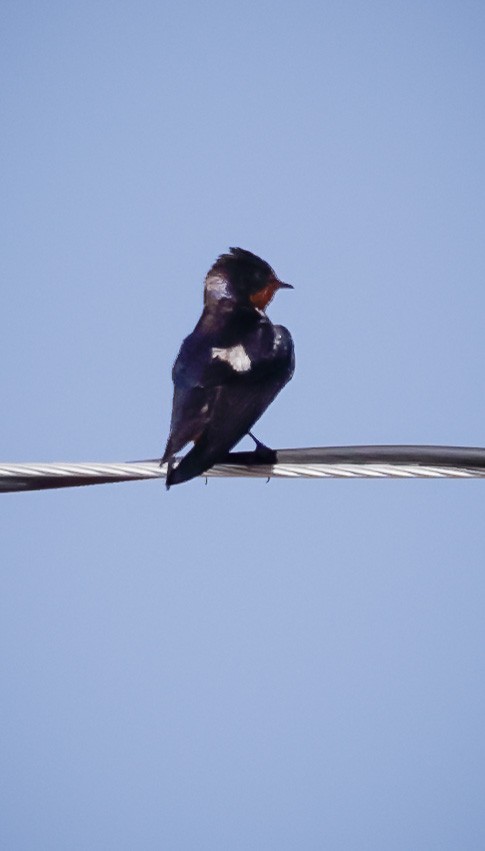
pixel 229 369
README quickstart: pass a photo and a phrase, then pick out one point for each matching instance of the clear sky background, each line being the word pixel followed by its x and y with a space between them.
pixel 298 665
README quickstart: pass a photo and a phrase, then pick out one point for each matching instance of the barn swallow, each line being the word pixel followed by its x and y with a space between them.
pixel 230 368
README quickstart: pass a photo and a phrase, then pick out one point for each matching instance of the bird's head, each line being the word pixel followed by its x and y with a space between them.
pixel 243 278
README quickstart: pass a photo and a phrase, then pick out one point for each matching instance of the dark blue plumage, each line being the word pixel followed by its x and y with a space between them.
pixel 230 368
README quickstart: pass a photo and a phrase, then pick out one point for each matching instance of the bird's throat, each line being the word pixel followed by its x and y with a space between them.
pixel 263 297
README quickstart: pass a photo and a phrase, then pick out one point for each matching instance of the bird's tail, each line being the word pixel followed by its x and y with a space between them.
pixel 194 463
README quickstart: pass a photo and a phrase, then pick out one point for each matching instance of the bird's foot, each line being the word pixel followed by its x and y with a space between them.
pixel 263 454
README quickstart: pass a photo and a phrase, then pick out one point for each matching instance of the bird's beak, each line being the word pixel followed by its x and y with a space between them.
pixel 262 298
pixel 282 286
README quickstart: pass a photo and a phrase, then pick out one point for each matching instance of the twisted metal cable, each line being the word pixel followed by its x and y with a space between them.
pixel 321 462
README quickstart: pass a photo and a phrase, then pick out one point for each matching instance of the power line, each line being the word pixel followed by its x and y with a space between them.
pixel 320 462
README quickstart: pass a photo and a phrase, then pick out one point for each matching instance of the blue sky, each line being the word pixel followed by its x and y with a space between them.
pixel 242 665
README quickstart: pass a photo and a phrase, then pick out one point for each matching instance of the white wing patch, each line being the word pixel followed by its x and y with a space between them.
pixel 236 356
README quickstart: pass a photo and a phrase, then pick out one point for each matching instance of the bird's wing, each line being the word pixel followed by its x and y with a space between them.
pixel 234 411
pixel 196 378
pixel 234 407
pixel 220 392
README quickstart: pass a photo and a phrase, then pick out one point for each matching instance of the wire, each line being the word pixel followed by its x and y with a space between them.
pixel 320 462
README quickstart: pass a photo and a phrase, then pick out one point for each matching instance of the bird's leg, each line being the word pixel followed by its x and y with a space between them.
pixel 263 454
